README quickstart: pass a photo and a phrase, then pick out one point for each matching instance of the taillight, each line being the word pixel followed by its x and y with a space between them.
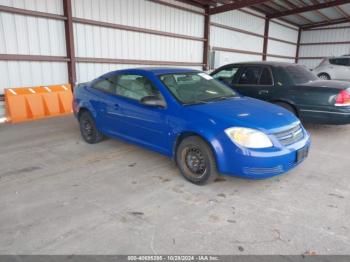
pixel 343 99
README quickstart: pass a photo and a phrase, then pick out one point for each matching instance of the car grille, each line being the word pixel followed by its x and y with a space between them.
pixel 263 170
pixel 290 136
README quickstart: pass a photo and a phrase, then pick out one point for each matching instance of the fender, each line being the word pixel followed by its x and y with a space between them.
pixel 79 104
pixel 86 105
pixel 209 138
pixel 287 101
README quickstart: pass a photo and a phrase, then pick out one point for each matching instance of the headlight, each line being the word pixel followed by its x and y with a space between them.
pixel 247 137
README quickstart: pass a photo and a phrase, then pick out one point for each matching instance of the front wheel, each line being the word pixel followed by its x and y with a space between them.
pixel 88 128
pixel 196 161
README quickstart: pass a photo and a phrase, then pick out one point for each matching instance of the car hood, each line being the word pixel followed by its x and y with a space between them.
pixel 340 85
pixel 247 112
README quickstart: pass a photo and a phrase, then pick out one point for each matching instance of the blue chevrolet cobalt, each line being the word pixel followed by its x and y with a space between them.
pixel 205 126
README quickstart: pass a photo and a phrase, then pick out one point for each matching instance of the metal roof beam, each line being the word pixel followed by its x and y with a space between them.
pixel 258 9
pixel 318 11
pixel 235 5
pixel 342 12
pixel 310 8
pixel 332 22
pixel 190 2
pixel 205 2
pixel 292 6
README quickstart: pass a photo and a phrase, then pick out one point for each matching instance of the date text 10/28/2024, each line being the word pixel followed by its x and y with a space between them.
pixel 172 258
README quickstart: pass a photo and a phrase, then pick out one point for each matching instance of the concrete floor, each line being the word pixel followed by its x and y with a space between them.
pixel 59 195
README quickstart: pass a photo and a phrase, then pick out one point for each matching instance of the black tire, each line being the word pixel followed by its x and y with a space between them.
pixel 287 106
pixel 196 161
pixel 324 76
pixel 88 128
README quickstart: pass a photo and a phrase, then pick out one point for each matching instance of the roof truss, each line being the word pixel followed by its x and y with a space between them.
pixel 309 8
pixel 280 9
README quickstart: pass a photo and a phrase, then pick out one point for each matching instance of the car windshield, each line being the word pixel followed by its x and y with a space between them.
pixel 300 74
pixel 196 88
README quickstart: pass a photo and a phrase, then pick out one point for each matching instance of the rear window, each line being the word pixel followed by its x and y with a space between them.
pixel 340 61
pixel 300 74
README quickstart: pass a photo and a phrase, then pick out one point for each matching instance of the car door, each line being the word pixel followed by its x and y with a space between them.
pixel 146 125
pixel 106 104
pixel 341 68
pixel 256 82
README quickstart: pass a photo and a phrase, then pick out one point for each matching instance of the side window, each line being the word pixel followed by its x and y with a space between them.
pixel 135 87
pixel 105 85
pixel 226 75
pixel 266 78
pixel 250 76
pixel 340 61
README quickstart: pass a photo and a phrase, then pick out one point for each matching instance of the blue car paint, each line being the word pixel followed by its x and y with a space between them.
pixel 158 129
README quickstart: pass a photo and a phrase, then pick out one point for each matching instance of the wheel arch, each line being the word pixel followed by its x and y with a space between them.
pixel 325 73
pixel 184 134
pixel 86 107
pixel 82 110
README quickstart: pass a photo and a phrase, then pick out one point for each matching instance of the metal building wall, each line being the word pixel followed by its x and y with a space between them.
pixel 238 36
pixel 115 34
pixel 133 33
pixel 324 42
pixel 286 50
pixel 25 35
pixel 95 41
pixel 230 39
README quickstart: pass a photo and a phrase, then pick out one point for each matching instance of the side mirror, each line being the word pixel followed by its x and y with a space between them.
pixel 155 101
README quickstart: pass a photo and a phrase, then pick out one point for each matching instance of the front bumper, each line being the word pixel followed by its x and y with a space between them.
pixel 260 164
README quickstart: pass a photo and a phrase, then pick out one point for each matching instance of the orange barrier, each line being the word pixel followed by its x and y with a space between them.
pixel 27 104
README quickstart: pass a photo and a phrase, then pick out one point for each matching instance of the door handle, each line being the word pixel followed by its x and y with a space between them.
pixel 116 106
pixel 263 92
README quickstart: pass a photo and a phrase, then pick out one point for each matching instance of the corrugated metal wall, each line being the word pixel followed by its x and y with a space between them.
pixel 311 54
pixel 280 48
pixel 27 35
pixel 100 42
pixel 229 39
pixel 235 35
pixel 238 36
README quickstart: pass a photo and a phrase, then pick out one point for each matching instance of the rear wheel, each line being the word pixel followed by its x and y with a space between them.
pixel 88 128
pixel 196 161
pixel 324 76
pixel 287 106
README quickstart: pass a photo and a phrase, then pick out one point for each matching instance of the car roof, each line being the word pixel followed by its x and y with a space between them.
pixel 160 70
pixel 269 63
pixel 342 56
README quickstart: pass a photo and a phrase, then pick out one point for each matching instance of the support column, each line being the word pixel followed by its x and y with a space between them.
pixel 266 38
pixel 207 39
pixel 298 46
pixel 67 7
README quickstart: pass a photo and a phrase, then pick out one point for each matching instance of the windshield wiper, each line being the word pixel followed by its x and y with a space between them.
pixel 218 98
pixel 210 100
pixel 196 103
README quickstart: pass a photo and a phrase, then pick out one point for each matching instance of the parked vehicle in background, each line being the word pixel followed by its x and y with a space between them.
pixel 207 127
pixel 336 68
pixel 290 86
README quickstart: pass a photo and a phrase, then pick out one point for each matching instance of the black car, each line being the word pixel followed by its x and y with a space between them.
pixel 291 86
